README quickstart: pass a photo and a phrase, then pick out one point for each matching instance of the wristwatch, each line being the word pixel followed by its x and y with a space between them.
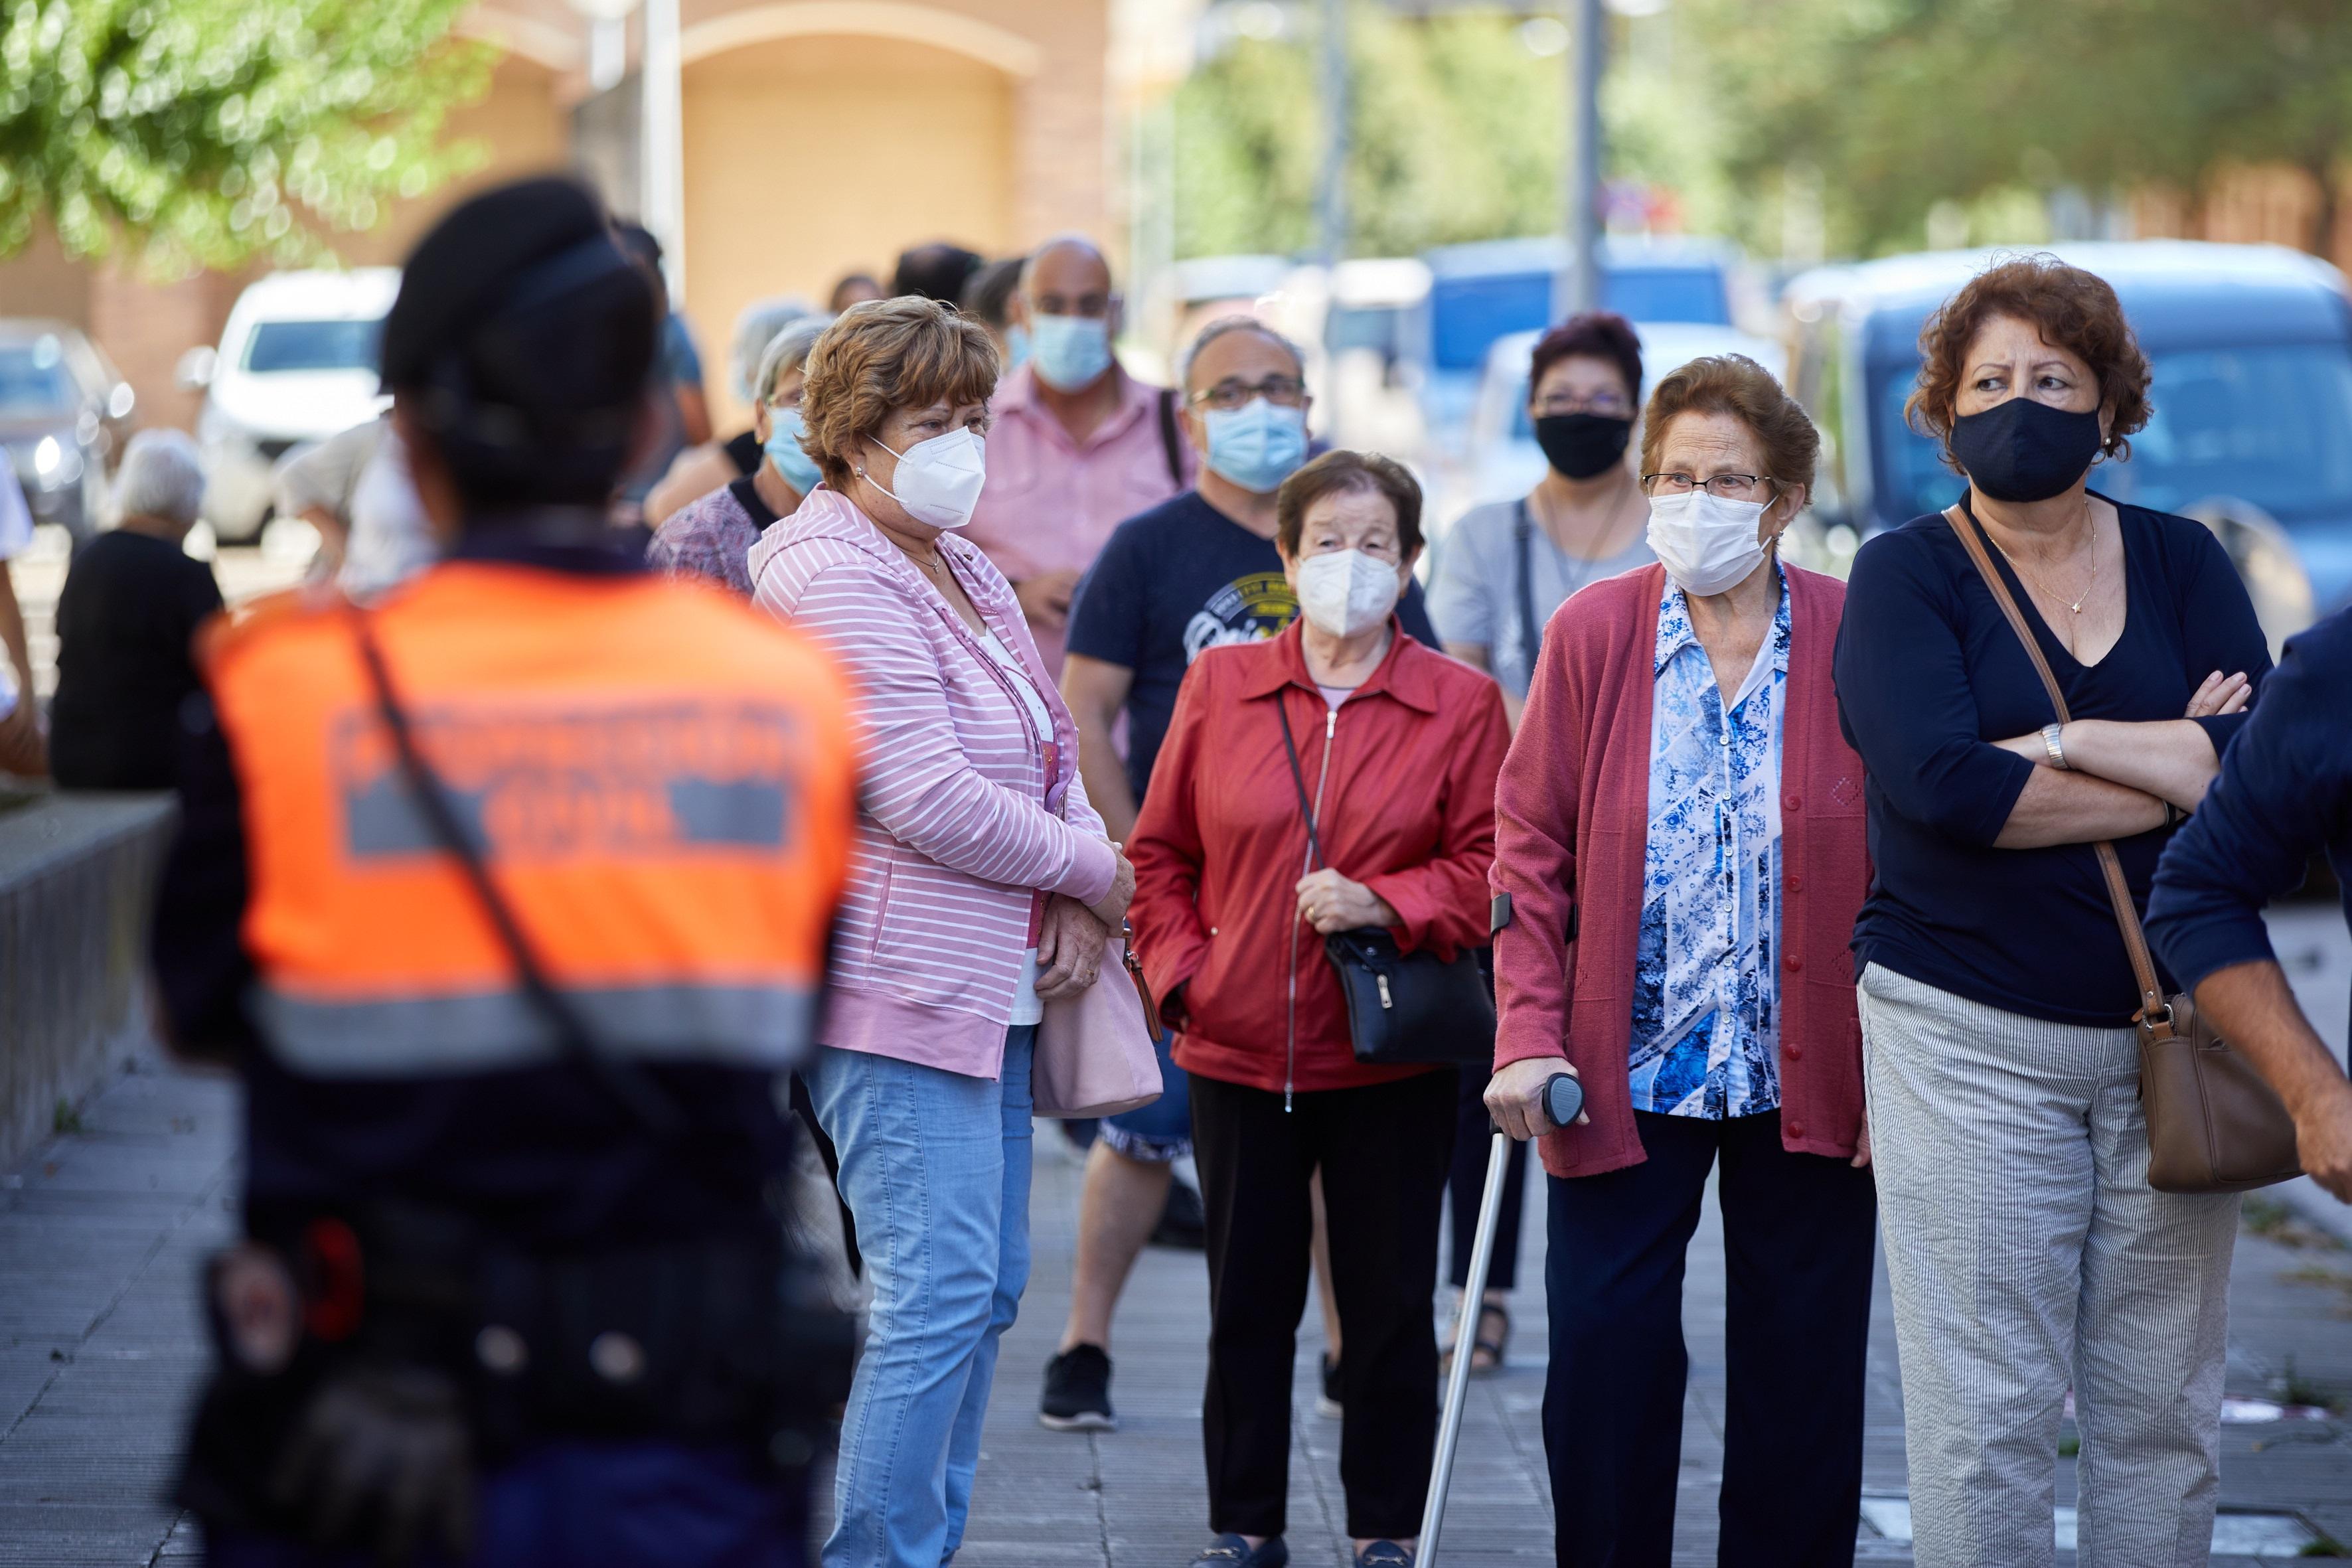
pixel 2050 743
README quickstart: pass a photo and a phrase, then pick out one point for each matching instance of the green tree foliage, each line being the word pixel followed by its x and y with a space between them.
pixel 204 132
pixel 1906 104
pixel 1455 131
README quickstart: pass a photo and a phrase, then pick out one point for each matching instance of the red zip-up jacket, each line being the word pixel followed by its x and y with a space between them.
pixel 1573 810
pixel 1408 811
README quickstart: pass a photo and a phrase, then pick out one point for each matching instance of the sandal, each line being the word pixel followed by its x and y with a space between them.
pixel 1490 1346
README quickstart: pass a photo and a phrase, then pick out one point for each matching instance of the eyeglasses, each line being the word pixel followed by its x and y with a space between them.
pixel 1723 487
pixel 1283 391
pixel 1607 403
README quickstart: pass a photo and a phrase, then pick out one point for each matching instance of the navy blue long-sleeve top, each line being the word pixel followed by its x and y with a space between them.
pixel 1930 674
pixel 2285 791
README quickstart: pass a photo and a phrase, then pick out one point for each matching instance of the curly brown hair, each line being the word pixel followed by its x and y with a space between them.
pixel 884 355
pixel 1736 385
pixel 2071 308
pixel 1340 470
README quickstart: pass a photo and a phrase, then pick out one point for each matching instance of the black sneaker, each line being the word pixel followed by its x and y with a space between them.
pixel 1327 1403
pixel 1077 1391
pixel 1184 1224
pixel 1230 1551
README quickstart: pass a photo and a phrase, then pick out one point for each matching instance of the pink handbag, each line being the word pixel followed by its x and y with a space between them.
pixel 1093 1054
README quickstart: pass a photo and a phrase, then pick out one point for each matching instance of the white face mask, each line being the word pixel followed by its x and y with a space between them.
pixel 1345 591
pixel 1705 544
pixel 938 480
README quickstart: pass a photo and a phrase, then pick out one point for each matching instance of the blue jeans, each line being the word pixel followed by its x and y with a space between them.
pixel 564 1504
pixel 935 1167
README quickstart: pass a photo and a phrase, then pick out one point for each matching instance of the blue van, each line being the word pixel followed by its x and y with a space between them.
pixel 2251 352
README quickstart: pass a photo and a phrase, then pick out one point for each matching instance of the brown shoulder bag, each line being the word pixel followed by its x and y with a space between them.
pixel 2214 1125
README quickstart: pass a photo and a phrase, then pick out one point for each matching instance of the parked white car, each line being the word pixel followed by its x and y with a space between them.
pixel 296 364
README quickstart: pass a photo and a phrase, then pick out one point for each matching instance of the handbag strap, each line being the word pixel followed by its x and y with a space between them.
pixel 1523 547
pixel 645 1100
pixel 1298 777
pixel 2155 1015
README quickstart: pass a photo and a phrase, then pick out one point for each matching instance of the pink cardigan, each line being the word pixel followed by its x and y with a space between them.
pixel 1570 835
pixel 958 823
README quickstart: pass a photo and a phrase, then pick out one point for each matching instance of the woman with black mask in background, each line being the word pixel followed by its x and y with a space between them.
pixel 1496 579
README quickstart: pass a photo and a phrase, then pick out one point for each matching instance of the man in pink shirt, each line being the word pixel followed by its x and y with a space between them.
pixel 1079 445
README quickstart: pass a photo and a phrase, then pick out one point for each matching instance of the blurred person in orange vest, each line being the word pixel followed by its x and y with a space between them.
pixel 1079 445
pixel 508 895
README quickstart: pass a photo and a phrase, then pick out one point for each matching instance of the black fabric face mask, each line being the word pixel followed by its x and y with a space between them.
pixel 1583 446
pixel 2022 450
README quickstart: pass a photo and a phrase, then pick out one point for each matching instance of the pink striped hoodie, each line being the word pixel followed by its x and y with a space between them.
pixel 959 822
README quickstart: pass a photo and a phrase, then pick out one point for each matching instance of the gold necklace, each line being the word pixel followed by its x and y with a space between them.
pixel 2075 605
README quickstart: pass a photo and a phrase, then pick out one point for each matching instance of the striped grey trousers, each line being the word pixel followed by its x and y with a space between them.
pixel 2026 1249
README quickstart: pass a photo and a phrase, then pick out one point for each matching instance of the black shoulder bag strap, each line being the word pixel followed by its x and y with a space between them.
pixel 1298 778
pixel 1170 442
pixel 1522 545
pixel 642 1097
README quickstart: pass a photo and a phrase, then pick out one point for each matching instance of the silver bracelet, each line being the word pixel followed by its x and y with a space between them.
pixel 2050 743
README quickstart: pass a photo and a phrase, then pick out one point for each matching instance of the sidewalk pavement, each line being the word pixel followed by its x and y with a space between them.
pixel 102 1232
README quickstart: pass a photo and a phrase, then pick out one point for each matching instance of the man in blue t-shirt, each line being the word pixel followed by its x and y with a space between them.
pixel 1192 573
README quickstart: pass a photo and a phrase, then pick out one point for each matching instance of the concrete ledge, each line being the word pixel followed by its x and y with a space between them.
pixel 78 877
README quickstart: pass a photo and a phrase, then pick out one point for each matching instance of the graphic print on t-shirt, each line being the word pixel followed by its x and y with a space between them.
pixel 1248 609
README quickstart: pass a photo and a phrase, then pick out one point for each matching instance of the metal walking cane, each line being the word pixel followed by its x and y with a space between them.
pixel 1563 1099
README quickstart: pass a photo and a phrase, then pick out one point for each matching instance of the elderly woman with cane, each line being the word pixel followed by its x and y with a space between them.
pixel 1679 834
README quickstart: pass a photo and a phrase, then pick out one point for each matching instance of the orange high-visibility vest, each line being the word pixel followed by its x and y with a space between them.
pixel 662 778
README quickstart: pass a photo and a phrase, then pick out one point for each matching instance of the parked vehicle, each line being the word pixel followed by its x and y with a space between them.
pixel 1481 293
pixel 65 411
pixel 296 364
pixel 2251 433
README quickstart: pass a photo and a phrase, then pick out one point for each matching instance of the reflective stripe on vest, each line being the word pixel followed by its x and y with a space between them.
pixel 661 778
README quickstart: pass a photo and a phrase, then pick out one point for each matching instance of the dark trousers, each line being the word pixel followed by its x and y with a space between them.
pixel 1383 1152
pixel 1466 1187
pixel 1798 1234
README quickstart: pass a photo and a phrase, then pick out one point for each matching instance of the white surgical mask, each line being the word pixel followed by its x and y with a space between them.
pixel 938 480
pixel 1705 544
pixel 1345 591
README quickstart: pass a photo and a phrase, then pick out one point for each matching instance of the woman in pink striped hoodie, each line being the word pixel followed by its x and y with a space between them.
pixel 982 887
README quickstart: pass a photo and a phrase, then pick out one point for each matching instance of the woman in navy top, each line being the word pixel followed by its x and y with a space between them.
pixel 2024 1245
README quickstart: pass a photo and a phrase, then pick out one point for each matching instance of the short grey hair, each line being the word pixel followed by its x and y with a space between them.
pixel 787 352
pixel 1224 325
pixel 163 476
pixel 755 328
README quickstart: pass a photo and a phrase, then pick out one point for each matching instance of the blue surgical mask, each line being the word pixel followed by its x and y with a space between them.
pixel 784 450
pixel 1016 347
pixel 1069 352
pixel 1258 445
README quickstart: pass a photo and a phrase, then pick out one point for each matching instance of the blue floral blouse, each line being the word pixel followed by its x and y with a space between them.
pixel 1706 1032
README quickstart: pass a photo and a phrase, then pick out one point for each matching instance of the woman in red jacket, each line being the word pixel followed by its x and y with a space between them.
pixel 1397 748
pixel 1679 829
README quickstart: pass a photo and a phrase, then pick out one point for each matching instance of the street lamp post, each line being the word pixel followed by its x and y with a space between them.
pixel 1579 284
pixel 1331 193
pixel 662 103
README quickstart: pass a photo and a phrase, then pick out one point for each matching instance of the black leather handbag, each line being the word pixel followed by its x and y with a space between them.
pixel 1403 1008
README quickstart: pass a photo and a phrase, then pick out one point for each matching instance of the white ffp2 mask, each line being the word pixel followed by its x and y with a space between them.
pixel 1344 592
pixel 939 481
pixel 1705 544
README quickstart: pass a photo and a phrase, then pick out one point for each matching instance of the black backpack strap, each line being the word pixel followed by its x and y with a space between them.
pixel 643 1098
pixel 1171 442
